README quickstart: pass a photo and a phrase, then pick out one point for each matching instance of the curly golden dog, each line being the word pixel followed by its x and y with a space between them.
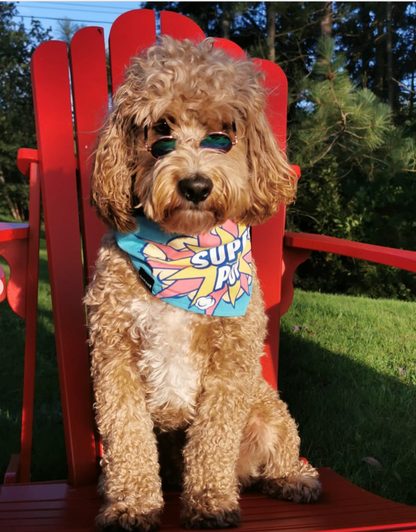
pixel 185 163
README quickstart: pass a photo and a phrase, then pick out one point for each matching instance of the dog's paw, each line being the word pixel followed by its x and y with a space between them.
pixel 119 518
pixel 299 489
pixel 203 520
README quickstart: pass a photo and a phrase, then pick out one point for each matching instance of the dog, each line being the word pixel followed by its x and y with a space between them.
pixel 186 162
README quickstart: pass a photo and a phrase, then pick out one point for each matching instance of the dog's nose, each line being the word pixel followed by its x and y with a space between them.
pixel 195 189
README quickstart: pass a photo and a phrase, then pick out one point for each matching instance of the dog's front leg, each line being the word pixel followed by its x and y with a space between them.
pixel 210 498
pixel 130 482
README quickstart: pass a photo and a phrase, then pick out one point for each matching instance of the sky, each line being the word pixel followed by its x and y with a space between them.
pixel 86 12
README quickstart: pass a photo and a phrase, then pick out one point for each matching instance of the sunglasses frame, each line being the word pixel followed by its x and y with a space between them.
pixel 171 137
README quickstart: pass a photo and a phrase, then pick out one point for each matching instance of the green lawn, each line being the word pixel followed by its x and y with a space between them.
pixel 48 440
pixel 347 371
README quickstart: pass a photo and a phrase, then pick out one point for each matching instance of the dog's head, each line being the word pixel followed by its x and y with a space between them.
pixel 196 180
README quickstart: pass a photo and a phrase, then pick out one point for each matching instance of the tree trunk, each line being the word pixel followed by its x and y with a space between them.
pixel 225 20
pixel 412 94
pixel 14 208
pixel 271 29
pixel 380 42
pixel 389 54
pixel 368 52
pixel 326 21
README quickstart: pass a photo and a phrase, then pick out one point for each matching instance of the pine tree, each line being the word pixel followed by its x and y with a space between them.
pixel 357 171
pixel 336 114
pixel 67 29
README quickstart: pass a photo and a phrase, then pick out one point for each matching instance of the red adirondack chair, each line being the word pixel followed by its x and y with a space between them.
pixel 63 175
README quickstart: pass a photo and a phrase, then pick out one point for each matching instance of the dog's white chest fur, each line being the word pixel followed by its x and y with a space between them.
pixel 171 374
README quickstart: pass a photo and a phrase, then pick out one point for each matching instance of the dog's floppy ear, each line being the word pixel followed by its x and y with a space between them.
pixel 272 180
pixel 112 177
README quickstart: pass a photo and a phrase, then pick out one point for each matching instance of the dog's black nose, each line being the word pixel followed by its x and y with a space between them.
pixel 195 189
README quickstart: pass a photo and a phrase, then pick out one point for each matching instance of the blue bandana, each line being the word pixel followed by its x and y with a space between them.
pixel 208 274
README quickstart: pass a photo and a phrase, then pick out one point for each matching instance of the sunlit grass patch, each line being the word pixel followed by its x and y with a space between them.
pixel 347 371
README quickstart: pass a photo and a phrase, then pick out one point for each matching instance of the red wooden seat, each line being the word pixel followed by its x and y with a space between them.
pixel 71 505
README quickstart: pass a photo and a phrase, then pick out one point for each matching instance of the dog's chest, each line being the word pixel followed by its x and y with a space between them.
pixel 172 372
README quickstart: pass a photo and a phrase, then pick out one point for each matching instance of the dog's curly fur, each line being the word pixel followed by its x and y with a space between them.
pixel 159 369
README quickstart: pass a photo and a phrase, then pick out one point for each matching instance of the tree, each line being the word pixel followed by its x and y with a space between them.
pixel 326 20
pixel 67 28
pixel 17 127
pixel 357 175
pixel 271 29
pixel 378 40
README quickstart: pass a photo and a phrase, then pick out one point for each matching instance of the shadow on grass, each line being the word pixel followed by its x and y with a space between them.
pixel 346 411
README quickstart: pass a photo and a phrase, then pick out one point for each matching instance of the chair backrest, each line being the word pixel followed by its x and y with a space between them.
pixel 71 94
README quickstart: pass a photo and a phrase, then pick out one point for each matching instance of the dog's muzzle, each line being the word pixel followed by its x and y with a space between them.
pixel 195 189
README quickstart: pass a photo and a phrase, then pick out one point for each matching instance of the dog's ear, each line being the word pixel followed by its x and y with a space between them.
pixel 113 176
pixel 272 180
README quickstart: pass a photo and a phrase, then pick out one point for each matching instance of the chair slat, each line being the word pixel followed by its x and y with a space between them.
pixel 276 85
pixel 342 506
pixel 32 277
pixel 90 97
pixel 130 34
pixel 180 27
pixel 267 256
pixel 268 238
pixel 52 102
pixel 230 47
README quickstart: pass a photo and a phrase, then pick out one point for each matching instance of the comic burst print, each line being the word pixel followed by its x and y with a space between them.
pixel 210 269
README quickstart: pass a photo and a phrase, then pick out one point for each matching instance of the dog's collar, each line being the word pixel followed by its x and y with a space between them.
pixel 208 274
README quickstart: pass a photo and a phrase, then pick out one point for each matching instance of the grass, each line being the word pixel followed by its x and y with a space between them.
pixel 347 371
pixel 48 456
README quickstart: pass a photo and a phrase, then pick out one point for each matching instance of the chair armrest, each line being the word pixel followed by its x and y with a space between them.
pixel 297 248
pixel 9 234
pixel 19 231
pixel 14 238
pixel 13 247
pixel 13 231
pixel 398 258
pixel 25 156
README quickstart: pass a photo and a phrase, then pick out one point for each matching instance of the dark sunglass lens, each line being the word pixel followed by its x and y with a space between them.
pixel 217 141
pixel 162 147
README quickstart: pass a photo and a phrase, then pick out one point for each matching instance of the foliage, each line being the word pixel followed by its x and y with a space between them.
pixel 352 118
pixel 67 28
pixel 357 178
pixel 379 37
pixel 17 127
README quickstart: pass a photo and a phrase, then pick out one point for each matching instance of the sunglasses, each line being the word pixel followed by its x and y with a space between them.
pixel 217 140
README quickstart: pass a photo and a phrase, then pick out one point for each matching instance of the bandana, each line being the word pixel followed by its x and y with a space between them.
pixel 208 274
